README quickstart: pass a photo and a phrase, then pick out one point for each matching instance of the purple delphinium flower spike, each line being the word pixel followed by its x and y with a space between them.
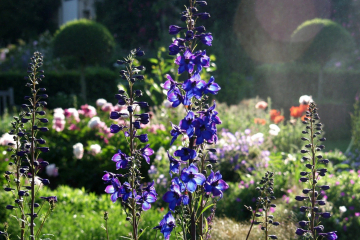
pixel 145 200
pixel 211 87
pixel 114 189
pixel 121 160
pixel 186 124
pixel 174 197
pixel 329 235
pixel 174 165
pixel 185 154
pixel 175 132
pixel 185 62
pixel 215 184
pixel 192 178
pixel 194 87
pixel 166 225
pixel 146 152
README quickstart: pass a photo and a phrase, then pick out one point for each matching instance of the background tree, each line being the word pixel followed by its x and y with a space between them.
pixel 23 19
pixel 329 40
pixel 90 43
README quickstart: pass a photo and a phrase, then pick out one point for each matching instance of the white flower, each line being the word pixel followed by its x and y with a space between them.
pixel 78 150
pixel 94 122
pixel 59 111
pixel 100 102
pixel 257 138
pixel 274 129
pixel 342 209
pixel 6 138
pixel 52 170
pixel 305 99
pixel 95 149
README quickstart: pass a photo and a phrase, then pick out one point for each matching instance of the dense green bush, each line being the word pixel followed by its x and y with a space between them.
pixel 87 41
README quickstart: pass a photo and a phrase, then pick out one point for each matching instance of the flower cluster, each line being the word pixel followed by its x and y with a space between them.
pixel 134 196
pixel 193 183
pixel 26 148
pixel 263 205
pixel 313 160
pixel 240 152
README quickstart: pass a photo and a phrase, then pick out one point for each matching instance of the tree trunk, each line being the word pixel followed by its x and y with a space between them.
pixel 83 83
pixel 320 84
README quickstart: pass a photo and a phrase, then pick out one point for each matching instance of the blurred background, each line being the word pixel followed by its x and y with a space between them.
pixel 280 49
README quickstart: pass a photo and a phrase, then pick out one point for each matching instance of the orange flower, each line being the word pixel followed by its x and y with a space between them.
pixel 260 121
pixel 274 113
pixel 303 118
pixel 304 107
pixel 278 119
pixel 298 111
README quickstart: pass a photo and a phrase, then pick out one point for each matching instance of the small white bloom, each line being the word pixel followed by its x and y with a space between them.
pixel 258 137
pixel 94 122
pixel 95 149
pixel 100 102
pixel 59 111
pixel 305 99
pixel 274 129
pixel 342 209
pixel 78 150
pixel 167 104
pixel 52 170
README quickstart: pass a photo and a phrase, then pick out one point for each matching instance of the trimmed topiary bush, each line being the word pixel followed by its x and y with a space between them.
pixel 88 42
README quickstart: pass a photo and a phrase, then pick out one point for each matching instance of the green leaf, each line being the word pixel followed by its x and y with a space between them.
pixel 153 60
pixel 207 207
pixel 206 225
pixel 143 231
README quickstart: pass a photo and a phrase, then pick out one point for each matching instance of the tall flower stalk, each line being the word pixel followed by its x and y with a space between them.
pixel 27 148
pixel 263 205
pixel 314 161
pixel 133 195
pixel 190 190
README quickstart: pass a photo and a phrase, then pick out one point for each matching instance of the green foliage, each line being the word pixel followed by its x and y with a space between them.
pixel 331 38
pixel 86 41
pixel 26 19
pixel 80 216
pixel 355 125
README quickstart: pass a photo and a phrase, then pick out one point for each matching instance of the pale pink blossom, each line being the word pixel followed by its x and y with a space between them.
pixel 100 102
pixel 52 170
pixel 73 127
pixel 94 149
pixel 94 122
pixel 59 120
pixel 72 112
pixel 87 111
pixel 107 107
pixel 6 139
pixel 261 105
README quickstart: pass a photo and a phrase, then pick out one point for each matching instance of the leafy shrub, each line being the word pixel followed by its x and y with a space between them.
pixel 87 41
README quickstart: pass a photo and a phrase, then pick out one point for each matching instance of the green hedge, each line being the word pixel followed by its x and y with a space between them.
pixel 63 88
pixel 285 83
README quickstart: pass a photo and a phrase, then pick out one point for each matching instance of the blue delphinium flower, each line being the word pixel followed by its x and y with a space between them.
pixel 185 154
pixel 185 62
pixel 174 165
pixel 166 225
pixel 192 178
pixel 121 160
pixel 114 189
pixel 145 200
pixel 146 152
pixel 186 124
pixel 215 184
